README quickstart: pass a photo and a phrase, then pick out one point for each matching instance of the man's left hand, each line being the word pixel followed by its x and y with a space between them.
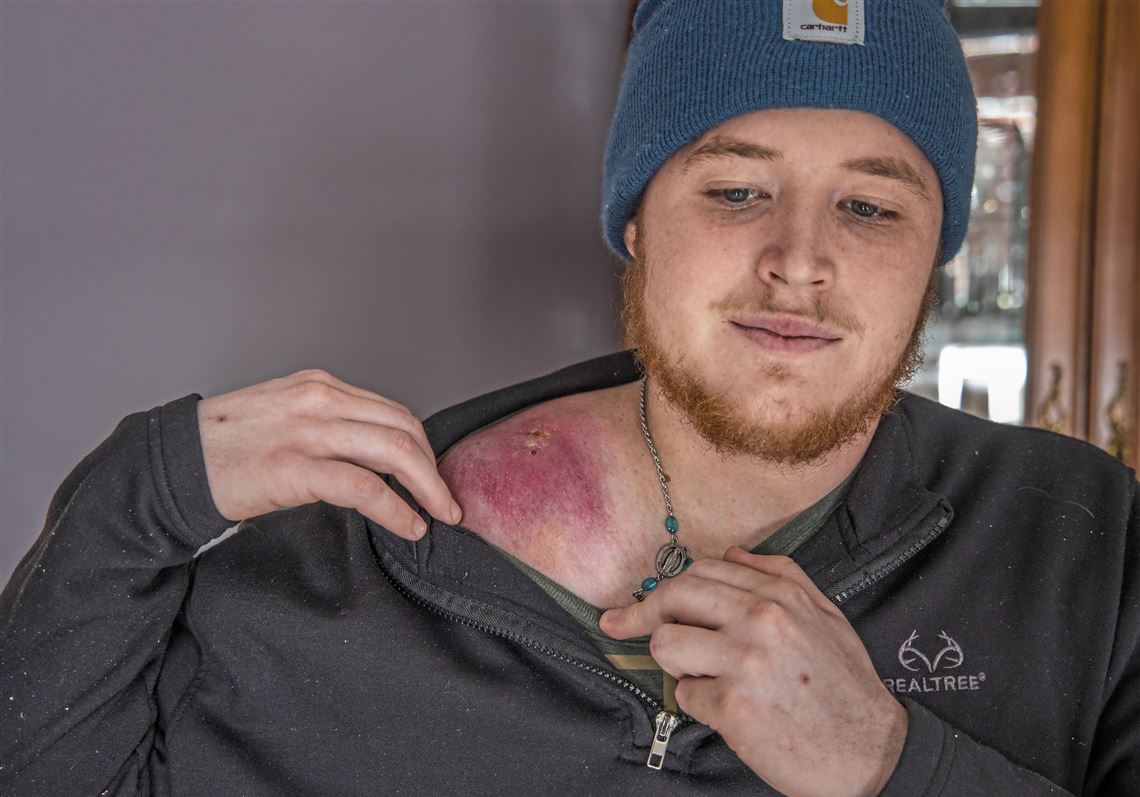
pixel 765 659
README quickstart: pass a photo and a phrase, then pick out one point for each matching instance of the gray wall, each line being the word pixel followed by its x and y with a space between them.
pixel 197 196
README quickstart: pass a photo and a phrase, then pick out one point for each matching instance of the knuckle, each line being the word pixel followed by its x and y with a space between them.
pixel 313 374
pixel 366 485
pixel 790 593
pixel 786 566
pixel 401 442
pixel 752 659
pixel 416 425
pixel 661 639
pixel 766 614
pixel 406 419
pixel 311 395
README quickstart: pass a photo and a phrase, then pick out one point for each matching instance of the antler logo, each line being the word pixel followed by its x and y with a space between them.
pixel 949 657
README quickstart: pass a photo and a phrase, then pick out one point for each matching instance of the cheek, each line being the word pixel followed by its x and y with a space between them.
pixel 887 337
pixel 888 314
pixel 674 293
pixel 889 304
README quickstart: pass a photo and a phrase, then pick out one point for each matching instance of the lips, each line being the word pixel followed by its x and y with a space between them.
pixel 786 334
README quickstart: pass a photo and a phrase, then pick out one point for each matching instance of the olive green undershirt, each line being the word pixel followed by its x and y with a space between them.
pixel 631 656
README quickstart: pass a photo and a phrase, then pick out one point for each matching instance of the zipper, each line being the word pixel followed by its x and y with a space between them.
pixel 886 564
pixel 665 722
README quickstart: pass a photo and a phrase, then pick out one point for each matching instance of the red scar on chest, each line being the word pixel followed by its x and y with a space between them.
pixel 532 484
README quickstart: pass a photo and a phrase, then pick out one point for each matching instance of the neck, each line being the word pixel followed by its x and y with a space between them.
pixel 722 500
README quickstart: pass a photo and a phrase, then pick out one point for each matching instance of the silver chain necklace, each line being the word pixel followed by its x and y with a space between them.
pixel 672 557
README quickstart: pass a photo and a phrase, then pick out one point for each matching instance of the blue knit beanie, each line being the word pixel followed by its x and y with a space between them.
pixel 693 64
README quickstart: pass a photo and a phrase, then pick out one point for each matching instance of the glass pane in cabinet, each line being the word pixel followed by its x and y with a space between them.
pixel 975 341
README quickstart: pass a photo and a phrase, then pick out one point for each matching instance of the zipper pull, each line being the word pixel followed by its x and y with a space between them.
pixel 666 722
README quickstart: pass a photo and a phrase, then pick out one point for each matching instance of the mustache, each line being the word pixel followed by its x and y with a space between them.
pixel 817 310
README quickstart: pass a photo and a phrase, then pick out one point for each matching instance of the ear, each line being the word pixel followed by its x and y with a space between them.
pixel 629 237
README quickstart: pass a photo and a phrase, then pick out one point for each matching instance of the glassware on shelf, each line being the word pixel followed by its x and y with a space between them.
pixel 975 341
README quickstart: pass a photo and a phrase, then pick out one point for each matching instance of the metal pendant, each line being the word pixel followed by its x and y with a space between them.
pixel 671 559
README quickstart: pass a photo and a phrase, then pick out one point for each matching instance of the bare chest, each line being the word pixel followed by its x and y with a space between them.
pixel 551 489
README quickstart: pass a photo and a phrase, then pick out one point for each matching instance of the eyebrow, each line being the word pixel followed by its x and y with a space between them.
pixel 891 168
pixel 721 147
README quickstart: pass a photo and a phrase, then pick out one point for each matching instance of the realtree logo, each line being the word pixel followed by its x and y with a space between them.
pixel 948 657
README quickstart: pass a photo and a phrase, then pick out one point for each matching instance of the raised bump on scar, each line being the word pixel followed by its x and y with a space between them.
pixel 535 440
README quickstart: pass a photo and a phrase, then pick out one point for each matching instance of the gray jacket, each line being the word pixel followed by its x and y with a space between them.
pixel 993 574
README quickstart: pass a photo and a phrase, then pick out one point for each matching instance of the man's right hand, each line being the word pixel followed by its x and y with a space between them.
pixel 310 437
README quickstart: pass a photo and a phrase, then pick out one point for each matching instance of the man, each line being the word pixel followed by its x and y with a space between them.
pixel 741 562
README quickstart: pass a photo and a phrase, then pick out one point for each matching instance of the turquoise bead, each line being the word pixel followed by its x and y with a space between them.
pixel 686 563
pixel 649 584
pixel 671 524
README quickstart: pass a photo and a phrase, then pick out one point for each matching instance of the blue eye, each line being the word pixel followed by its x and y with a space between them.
pixel 869 212
pixel 738 196
pixel 735 198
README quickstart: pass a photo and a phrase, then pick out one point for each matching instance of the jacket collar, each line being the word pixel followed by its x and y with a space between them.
pixel 883 505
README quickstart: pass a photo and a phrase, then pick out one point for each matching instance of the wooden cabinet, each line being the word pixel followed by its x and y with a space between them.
pixel 1083 313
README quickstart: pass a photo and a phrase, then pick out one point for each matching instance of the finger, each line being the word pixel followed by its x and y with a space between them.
pixel 324 377
pixel 699 696
pixel 780 567
pixel 685 650
pixel 349 486
pixel 386 449
pixel 687 599
pixel 732 573
pixel 317 399
pixel 355 404
pixel 763 575
pixel 358 409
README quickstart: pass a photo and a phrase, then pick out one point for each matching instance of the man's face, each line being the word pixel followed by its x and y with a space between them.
pixel 782 274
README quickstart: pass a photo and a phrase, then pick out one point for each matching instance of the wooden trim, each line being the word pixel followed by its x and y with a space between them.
pixel 1061 204
pixel 1116 244
pixel 1136 362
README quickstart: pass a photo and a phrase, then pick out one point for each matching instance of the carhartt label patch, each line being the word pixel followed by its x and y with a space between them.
pixel 835 21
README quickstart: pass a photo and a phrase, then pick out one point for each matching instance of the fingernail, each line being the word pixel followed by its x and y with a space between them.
pixel 419 527
pixel 456 513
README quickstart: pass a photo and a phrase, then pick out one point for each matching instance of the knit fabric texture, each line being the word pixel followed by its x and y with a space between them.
pixel 693 64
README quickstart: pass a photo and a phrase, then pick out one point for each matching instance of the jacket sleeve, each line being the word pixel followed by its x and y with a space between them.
pixel 1114 765
pixel 85 618
pixel 939 759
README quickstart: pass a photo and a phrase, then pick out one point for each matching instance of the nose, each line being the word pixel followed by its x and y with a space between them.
pixel 796 253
